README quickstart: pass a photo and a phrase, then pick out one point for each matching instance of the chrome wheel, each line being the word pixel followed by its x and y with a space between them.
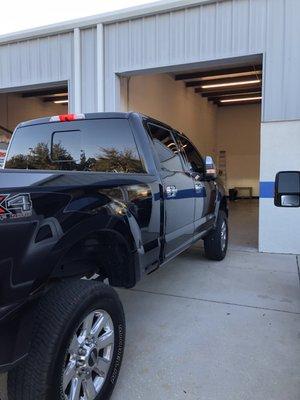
pixel 89 357
pixel 223 235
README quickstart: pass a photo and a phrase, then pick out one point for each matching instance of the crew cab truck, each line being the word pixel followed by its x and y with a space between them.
pixel 85 199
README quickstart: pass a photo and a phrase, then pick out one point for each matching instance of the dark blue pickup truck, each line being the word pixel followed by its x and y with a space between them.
pixel 87 199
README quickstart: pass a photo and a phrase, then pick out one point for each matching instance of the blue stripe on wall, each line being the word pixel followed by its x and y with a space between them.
pixel 266 190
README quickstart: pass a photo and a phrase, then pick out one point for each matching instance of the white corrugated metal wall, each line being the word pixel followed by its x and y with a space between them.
pixel 37 61
pixel 49 60
pixel 231 28
pixel 224 29
pixel 28 62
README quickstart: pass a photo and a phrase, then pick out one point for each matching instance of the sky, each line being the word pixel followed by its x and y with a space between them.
pixel 18 15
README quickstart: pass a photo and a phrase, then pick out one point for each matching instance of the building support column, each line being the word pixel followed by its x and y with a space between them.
pixel 77 72
pixel 100 68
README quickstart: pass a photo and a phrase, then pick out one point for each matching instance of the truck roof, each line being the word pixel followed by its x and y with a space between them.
pixel 71 117
pixel 89 116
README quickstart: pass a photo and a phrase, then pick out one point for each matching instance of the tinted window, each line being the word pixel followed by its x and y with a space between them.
pixel 105 145
pixel 165 147
pixel 190 154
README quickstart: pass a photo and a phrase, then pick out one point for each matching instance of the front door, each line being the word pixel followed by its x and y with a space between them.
pixel 205 191
pixel 178 191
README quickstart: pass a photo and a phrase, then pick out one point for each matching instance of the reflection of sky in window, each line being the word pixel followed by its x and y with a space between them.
pixel 109 134
pixel 96 136
pixel 70 141
pixel 25 139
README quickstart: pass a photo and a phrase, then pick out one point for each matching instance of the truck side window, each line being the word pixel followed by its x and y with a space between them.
pixel 165 147
pixel 189 153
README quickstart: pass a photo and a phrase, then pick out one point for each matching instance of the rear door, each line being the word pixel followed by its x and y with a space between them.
pixel 178 191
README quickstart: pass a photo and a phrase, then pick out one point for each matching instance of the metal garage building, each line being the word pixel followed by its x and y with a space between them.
pixel 93 59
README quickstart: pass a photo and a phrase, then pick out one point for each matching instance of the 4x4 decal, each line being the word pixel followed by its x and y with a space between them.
pixel 15 206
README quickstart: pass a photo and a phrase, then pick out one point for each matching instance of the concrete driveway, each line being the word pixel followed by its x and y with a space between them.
pixel 201 330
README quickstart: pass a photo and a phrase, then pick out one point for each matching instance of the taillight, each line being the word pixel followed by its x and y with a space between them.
pixel 66 117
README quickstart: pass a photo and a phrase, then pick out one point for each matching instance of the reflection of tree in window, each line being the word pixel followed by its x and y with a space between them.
pixel 110 160
pixel 38 157
pixel 114 160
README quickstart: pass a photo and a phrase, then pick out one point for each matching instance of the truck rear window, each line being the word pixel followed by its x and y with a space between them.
pixel 104 145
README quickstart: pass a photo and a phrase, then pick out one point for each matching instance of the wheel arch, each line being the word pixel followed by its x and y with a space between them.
pixel 105 244
pixel 106 252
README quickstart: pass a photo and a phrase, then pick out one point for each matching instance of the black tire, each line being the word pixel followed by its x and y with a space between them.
pixel 57 318
pixel 214 247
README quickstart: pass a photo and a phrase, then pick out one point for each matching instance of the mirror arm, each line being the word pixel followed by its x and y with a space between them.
pixel 209 178
pixel 196 175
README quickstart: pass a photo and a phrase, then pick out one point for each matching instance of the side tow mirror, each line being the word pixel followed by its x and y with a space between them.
pixel 287 189
pixel 210 168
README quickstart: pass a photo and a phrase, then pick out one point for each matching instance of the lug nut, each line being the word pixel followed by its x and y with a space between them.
pixel 82 352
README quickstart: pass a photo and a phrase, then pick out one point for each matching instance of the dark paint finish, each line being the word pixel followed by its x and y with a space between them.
pixel 62 224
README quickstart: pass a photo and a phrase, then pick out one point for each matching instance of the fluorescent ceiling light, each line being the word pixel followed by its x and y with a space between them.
pixel 60 94
pixel 241 99
pixel 61 101
pixel 217 85
pixel 233 75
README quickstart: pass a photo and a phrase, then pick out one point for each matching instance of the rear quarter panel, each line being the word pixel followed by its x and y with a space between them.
pixel 64 208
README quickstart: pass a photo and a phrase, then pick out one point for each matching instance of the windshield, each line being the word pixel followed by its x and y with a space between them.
pixel 105 145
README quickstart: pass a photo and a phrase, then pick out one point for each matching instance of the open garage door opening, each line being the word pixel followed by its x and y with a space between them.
pixel 26 104
pixel 219 109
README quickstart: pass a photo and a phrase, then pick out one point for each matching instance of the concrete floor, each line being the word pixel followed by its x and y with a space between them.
pixel 243 225
pixel 202 330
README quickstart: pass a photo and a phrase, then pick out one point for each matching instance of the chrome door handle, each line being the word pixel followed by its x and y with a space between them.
pixel 171 191
pixel 199 186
